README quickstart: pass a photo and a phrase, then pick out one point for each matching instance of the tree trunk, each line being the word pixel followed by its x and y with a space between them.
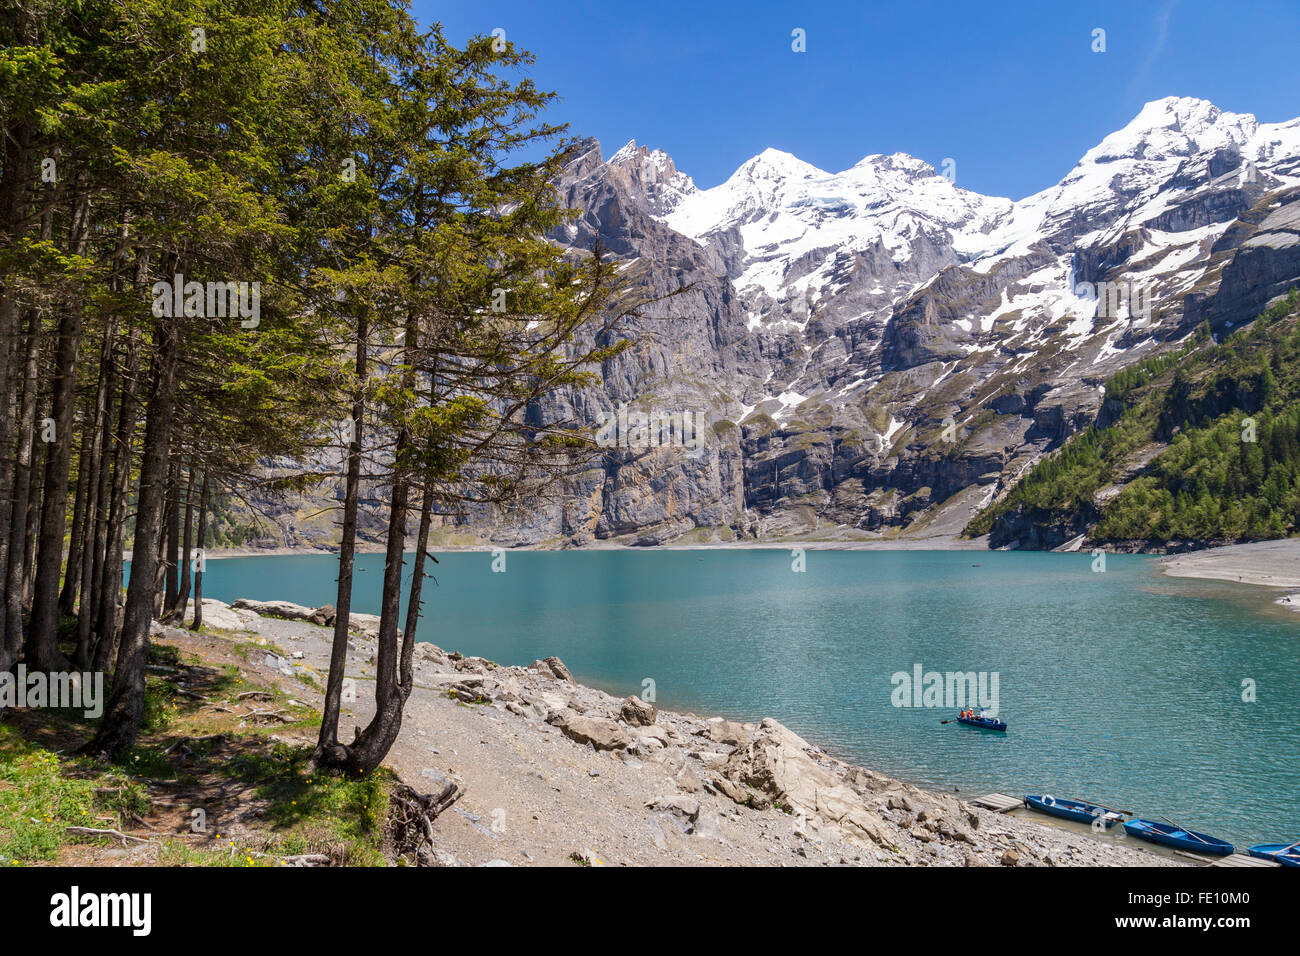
pixel 392 677
pixel 371 745
pixel 328 750
pixel 414 600
pixel 95 505
pixel 202 539
pixel 9 410
pixel 18 526
pixel 71 581
pixel 177 614
pixel 90 597
pixel 42 648
pixel 107 615
pixel 121 722
pixel 172 521
pixel 17 173
pixel 28 570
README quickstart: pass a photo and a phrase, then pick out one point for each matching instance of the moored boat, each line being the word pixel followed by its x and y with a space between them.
pixel 1076 810
pixel 1167 834
pixel 1288 854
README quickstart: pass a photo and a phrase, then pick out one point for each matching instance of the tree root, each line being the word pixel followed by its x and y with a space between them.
pixel 410 819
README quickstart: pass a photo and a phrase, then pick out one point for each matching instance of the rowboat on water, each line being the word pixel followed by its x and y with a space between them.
pixel 1075 810
pixel 1167 834
pixel 1288 854
pixel 980 720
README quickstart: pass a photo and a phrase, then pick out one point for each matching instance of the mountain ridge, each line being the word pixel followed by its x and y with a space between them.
pixel 879 352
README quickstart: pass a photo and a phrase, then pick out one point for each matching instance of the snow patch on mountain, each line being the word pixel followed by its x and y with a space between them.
pixel 784 209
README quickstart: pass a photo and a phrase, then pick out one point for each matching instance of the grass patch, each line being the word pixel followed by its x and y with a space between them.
pixel 42 794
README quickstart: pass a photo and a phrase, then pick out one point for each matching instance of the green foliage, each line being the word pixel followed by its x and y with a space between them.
pixel 41 794
pixel 311 808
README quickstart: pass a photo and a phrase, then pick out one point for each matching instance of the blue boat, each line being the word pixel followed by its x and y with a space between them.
pixel 1075 810
pixel 1166 834
pixel 1288 854
pixel 981 722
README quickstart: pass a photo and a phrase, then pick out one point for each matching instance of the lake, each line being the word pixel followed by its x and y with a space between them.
pixel 1123 687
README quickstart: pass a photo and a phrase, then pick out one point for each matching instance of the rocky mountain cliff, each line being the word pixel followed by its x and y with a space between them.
pixel 881 352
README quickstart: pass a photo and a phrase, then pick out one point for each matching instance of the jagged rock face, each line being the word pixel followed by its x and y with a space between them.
pixel 693 358
pixel 878 350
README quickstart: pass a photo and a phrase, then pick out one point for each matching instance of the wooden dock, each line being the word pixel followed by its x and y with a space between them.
pixel 1232 859
pixel 1241 859
pixel 998 802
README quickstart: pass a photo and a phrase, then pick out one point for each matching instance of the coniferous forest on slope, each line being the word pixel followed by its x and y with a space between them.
pixel 1224 421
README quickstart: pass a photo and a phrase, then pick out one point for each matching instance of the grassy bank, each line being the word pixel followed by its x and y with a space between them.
pixel 220 777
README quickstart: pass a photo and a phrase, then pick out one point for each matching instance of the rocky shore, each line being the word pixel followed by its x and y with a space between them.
pixel 555 772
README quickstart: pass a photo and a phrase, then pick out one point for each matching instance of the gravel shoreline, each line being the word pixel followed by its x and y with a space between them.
pixel 1273 564
pixel 556 772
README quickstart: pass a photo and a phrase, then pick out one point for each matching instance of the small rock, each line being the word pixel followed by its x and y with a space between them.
pixel 689 780
pixel 686 807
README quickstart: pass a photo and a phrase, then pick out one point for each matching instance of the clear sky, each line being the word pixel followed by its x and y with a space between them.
pixel 1011 91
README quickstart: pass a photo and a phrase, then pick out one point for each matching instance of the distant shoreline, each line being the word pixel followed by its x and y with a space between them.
pixel 885 544
pixel 1271 564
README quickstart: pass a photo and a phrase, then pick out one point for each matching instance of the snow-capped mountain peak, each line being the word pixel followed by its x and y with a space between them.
pixel 785 210
pixel 1174 127
pixel 654 175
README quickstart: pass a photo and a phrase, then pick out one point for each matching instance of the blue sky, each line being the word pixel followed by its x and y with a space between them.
pixel 1011 91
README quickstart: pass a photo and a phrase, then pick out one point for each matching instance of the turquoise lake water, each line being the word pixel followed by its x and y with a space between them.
pixel 1123 687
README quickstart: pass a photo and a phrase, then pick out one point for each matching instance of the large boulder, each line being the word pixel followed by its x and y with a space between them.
pixel 553 667
pixel 364 624
pixel 223 617
pixel 688 808
pixel 776 763
pixel 324 615
pixel 285 609
pixel 638 713
pixel 726 732
pixel 600 733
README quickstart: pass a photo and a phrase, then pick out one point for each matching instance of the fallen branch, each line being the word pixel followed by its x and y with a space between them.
pixel 275 714
pixel 115 834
